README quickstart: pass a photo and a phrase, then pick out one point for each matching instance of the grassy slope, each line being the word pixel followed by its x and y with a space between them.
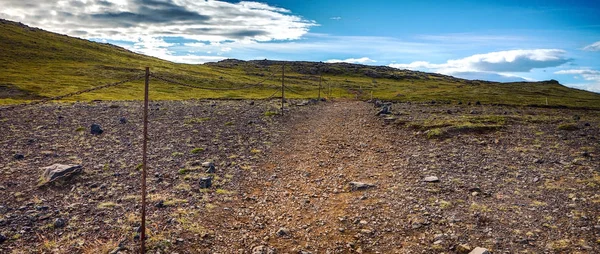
pixel 40 63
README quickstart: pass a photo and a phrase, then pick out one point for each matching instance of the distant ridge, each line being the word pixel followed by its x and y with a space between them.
pixel 35 63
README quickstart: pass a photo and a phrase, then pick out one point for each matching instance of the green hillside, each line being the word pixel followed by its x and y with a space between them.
pixel 35 64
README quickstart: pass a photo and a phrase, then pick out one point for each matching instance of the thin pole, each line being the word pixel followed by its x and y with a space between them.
pixel 320 78
pixel 145 167
pixel 282 86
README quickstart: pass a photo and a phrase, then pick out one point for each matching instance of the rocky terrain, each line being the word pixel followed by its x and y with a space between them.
pixel 328 178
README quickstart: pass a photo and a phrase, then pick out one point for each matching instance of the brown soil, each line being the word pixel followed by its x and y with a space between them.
pixel 525 187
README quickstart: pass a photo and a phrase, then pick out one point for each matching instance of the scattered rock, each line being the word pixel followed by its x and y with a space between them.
pixel 59 223
pixel 96 129
pixel 477 103
pixel 57 171
pixel 431 179
pixel 2 238
pixel 210 167
pixel 283 232
pixel 479 250
pixel 360 186
pixel 538 161
pixel 123 120
pixel 261 249
pixel 205 182
pixel 18 156
pixel 160 204
pixel 251 103
pixel 385 110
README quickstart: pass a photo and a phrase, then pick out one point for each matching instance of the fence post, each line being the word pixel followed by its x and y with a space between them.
pixel 144 162
pixel 282 86
pixel 320 78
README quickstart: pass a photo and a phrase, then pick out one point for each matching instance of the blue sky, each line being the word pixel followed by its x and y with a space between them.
pixel 493 40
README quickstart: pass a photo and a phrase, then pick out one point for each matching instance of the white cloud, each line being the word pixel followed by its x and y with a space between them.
pixel 593 47
pixel 362 60
pixel 496 62
pixel 128 20
pixel 587 74
pixel 336 18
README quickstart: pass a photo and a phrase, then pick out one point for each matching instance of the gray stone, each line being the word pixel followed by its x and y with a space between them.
pixel 283 232
pixel 18 156
pixel 205 182
pixel 479 250
pixel 57 171
pixel 385 110
pixel 360 185
pixel 210 167
pixel 431 179
pixel 95 129
pixel 59 223
pixel 261 249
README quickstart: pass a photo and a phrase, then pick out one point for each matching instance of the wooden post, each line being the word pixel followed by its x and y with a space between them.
pixel 282 86
pixel 144 163
pixel 320 78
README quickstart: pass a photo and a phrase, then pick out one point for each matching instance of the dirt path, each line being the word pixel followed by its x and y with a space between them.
pixel 308 190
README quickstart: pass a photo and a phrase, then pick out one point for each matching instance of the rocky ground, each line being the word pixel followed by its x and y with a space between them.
pixel 326 178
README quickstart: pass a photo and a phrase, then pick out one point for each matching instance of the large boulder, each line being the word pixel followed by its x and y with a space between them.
pixel 96 129
pixel 57 171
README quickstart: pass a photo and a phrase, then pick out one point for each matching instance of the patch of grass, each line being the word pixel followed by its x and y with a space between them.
pixel 176 154
pixel 445 204
pixel 559 245
pixel 435 133
pixel 139 167
pixel 174 202
pixel 475 207
pixel 79 129
pixel 197 150
pixel 224 192
pixel 183 171
pixel 107 205
pixel 271 113
pixel 196 120
pixel 254 150
pixel 183 186
pixel 568 127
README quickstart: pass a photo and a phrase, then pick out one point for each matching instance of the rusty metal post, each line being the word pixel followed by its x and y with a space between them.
pixel 282 86
pixel 145 164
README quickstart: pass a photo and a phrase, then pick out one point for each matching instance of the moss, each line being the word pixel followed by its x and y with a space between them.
pixel 79 129
pixel 270 113
pixel 106 205
pixel 435 133
pixel 568 127
pixel 176 154
pixel 197 150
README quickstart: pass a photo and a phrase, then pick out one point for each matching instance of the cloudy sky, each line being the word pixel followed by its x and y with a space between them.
pixel 506 40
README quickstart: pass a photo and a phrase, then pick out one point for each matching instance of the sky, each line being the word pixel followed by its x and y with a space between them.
pixel 490 40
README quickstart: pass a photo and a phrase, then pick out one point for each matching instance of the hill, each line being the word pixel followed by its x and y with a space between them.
pixel 37 64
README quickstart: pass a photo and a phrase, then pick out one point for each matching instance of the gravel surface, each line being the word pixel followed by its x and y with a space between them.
pixel 326 178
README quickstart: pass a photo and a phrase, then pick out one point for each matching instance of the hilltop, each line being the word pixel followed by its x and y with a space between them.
pixel 36 64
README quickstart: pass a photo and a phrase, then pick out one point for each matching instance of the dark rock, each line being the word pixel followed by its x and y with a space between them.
pixel 205 182
pixel 385 110
pixel 477 103
pixel 587 124
pixel 2 238
pixel 360 186
pixel 251 103
pixel 59 223
pixel 123 120
pixel 283 232
pixel 57 171
pixel 210 167
pixel 96 129
pixel 18 156
pixel 160 204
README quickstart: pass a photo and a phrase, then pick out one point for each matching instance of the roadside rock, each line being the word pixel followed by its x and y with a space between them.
pixel 18 156
pixel 479 250
pixel 210 167
pixel 95 129
pixel 283 232
pixel 57 171
pixel 360 186
pixel 261 249
pixel 59 223
pixel 205 182
pixel 431 179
